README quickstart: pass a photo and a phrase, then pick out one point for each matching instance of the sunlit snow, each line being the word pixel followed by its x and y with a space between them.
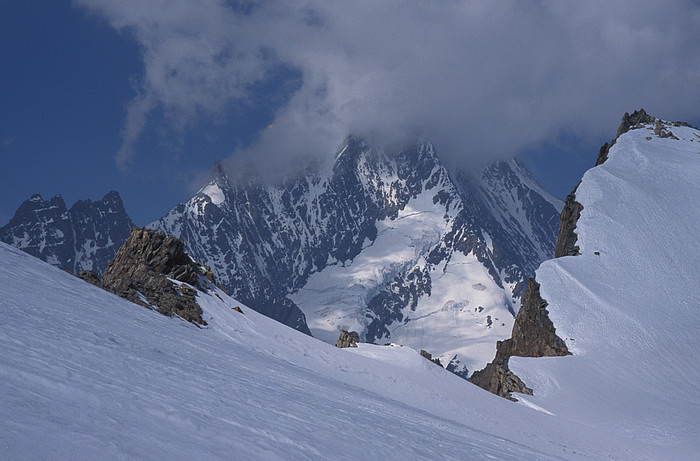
pixel 628 305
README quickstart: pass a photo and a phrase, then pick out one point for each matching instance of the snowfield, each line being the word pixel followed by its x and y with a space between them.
pixel 86 375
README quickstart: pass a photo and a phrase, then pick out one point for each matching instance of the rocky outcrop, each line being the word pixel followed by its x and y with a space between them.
pixel 498 379
pixel 347 339
pixel 91 277
pixel 154 271
pixel 661 131
pixel 533 335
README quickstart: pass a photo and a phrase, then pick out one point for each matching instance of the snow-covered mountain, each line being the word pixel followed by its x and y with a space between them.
pixel 85 374
pixel 604 332
pixel 84 237
pixel 390 245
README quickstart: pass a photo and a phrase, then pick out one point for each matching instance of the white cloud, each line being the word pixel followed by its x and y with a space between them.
pixel 481 79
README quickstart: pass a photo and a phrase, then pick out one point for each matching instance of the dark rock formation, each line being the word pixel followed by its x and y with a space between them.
pixel 347 339
pixel 91 277
pixel 566 238
pixel 498 379
pixel 629 122
pixel 142 269
pixel 662 132
pixel 533 335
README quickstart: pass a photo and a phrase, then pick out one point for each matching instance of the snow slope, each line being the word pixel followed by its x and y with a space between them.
pixel 627 307
pixel 87 375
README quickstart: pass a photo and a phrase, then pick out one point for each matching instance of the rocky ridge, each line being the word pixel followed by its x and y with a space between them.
pixel 534 334
pixel 84 237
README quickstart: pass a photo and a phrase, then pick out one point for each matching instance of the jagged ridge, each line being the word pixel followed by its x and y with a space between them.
pixel 267 242
pixel 84 237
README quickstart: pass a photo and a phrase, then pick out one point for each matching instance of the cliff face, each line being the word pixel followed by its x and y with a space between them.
pixel 566 238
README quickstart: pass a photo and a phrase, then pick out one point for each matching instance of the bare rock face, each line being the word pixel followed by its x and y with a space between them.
pixel 533 335
pixel 498 379
pixel 347 339
pixel 566 238
pixel 143 271
pixel 91 277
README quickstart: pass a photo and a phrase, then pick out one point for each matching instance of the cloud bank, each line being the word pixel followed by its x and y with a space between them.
pixel 482 80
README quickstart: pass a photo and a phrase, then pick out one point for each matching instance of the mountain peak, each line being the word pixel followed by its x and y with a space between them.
pixel 84 237
pixel 376 243
pixel 636 120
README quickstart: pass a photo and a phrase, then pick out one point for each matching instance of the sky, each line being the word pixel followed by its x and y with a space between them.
pixel 143 97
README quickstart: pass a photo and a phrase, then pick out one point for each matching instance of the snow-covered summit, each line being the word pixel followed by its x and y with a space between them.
pixel 84 237
pixel 389 244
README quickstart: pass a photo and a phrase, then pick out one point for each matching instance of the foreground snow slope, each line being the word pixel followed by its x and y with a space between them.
pixel 627 307
pixel 87 375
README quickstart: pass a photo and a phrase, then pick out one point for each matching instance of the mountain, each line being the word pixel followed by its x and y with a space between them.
pixel 84 237
pixel 389 244
pixel 86 374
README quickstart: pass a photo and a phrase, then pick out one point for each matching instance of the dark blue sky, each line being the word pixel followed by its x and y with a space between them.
pixel 68 79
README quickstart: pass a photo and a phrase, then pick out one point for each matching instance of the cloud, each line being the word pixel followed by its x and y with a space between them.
pixel 482 80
